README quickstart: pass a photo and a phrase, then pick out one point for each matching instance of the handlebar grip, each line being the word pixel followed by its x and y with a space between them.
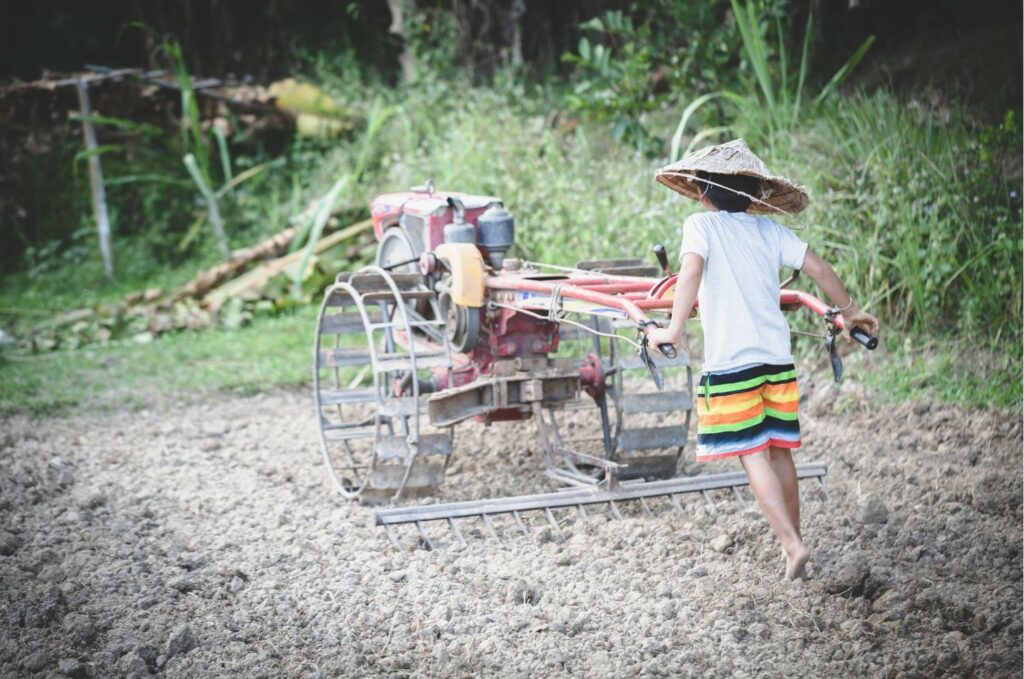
pixel 669 351
pixel 659 252
pixel 867 340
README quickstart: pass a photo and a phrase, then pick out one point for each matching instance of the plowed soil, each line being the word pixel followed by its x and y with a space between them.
pixel 205 541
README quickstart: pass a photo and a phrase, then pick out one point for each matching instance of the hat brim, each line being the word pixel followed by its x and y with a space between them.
pixel 776 195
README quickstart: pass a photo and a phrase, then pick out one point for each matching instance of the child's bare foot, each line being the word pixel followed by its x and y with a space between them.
pixel 796 562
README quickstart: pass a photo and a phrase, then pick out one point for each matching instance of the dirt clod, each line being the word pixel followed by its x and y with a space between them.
pixel 179 642
pixel 70 667
pixel 873 510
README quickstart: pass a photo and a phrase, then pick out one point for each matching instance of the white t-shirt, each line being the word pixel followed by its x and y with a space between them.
pixel 739 290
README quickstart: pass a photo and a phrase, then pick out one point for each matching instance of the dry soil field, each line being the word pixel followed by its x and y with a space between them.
pixel 204 541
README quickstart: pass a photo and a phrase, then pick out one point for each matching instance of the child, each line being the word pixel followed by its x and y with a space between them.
pixel 747 395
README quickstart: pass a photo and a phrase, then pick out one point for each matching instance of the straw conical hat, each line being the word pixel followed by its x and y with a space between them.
pixel 735 157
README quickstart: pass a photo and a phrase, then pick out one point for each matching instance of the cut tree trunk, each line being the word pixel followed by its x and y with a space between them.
pixel 207 280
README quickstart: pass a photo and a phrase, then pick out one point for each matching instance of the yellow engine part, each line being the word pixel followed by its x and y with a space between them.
pixel 467 267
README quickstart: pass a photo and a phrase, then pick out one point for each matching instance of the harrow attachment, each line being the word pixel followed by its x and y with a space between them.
pixel 487 513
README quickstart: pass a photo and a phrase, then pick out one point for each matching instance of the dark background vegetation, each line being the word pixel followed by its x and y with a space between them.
pixel 967 48
pixel 912 155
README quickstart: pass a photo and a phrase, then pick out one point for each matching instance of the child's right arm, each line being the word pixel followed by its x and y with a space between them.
pixel 825 276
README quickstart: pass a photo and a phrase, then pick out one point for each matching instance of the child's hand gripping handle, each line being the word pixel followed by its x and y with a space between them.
pixel 668 350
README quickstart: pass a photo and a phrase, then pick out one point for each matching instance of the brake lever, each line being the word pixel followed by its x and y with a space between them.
pixel 832 333
pixel 833 353
pixel 654 370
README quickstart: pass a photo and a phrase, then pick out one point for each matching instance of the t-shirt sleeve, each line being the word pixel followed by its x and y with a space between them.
pixel 792 249
pixel 694 238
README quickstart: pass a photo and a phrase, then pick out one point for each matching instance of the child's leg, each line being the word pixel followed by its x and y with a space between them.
pixel 785 471
pixel 771 497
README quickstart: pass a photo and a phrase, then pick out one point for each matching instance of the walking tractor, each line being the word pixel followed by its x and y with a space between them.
pixel 445 327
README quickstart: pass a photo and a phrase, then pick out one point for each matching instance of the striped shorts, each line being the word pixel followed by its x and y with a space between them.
pixel 747 410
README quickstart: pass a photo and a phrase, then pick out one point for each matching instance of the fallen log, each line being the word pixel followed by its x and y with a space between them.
pixel 218 274
pixel 258 276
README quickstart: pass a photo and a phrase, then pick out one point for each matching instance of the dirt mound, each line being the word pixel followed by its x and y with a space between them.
pixel 205 541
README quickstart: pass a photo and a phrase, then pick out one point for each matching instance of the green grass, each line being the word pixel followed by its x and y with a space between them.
pixel 945 370
pixel 182 367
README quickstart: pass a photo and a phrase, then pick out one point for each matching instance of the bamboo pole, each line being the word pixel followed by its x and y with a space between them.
pixel 212 209
pixel 99 196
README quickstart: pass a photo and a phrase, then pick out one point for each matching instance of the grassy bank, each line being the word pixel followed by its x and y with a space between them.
pixel 184 367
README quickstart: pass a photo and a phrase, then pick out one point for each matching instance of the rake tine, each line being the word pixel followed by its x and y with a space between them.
pixel 519 522
pixel 423 534
pixel 675 503
pixel 582 511
pixel 647 510
pixel 707 498
pixel 490 527
pixel 391 537
pixel 824 486
pixel 455 529
pixel 554 524
pixel 736 492
pixel 615 509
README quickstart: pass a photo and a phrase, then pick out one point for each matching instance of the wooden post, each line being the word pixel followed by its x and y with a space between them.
pixel 99 197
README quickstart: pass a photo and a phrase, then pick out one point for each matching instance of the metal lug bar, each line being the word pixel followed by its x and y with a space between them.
pixel 675 503
pixel 582 511
pixel 615 509
pixel 647 510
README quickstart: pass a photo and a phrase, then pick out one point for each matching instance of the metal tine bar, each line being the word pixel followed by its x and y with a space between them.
pixel 583 512
pixel 675 503
pixel 707 498
pixel 519 522
pixel 423 534
pixel 736 492
pixel 572 497
pixel 490 527
pixel 394 540
pixel 615 509
pixel 455 529
pixel 554 523
pixel 824 486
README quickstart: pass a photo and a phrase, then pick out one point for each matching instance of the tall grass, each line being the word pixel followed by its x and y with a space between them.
pixel 909 205
pixel 915 211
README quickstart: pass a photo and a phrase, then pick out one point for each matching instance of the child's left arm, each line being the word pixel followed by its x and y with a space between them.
pixel 687 284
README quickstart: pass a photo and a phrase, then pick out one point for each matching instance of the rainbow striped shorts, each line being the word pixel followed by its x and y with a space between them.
pixel 746 410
